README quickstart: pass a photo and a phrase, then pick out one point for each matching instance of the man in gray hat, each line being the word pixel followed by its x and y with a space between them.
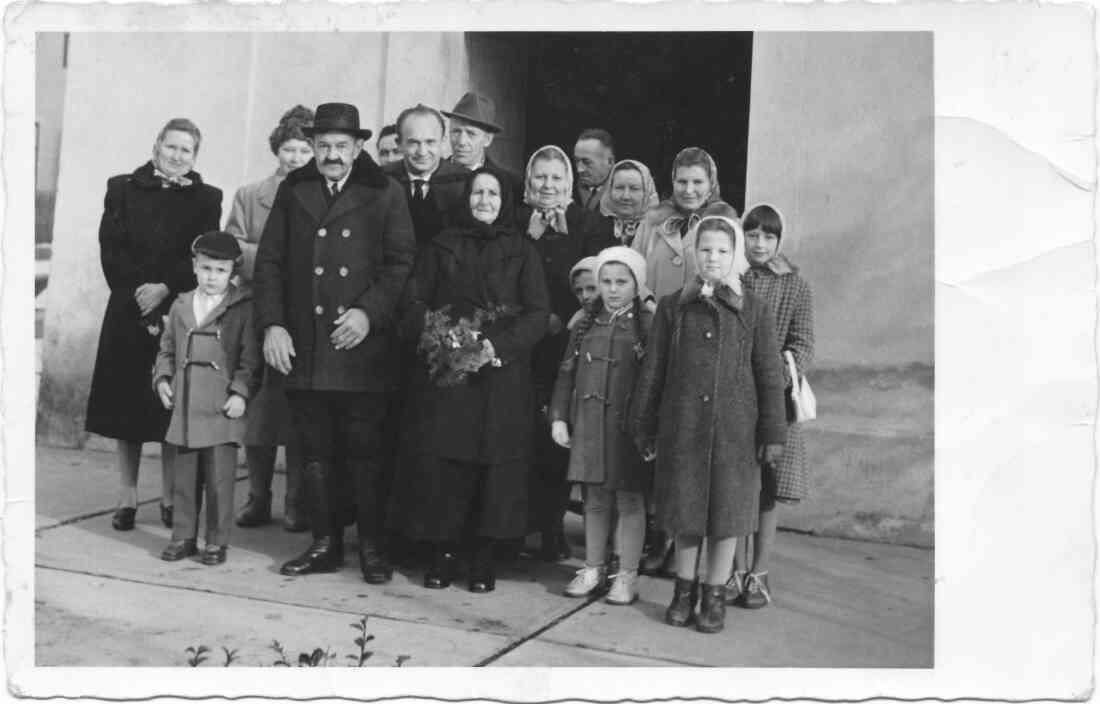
pixel 473 126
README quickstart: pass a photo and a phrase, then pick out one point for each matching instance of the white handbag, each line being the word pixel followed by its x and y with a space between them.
pixel 802 396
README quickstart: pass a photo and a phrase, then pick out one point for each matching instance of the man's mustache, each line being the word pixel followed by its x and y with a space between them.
pixel 333 162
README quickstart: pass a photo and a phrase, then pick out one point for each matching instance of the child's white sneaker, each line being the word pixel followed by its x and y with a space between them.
pixel 624 588
pixel 587 581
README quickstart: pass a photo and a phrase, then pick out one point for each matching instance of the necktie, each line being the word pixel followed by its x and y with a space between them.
pixel 419 188
pixel 334 189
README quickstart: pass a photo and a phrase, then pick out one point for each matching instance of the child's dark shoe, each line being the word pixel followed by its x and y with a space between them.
pixel 124 518
pixel 685 594
pixel 442 572
pixel 178 549
pixel 166 514
pixel 734 587
pixel 712 609
pixel 213 554
pixel 756 594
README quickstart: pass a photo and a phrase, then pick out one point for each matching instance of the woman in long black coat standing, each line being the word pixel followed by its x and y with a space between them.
pixel 150 218
pixel 563 233
pixel 466 447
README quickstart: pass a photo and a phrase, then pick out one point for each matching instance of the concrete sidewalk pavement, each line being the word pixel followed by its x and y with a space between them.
pixel 104 598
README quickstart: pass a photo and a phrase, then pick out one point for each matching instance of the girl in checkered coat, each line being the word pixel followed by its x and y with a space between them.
pixel 774 279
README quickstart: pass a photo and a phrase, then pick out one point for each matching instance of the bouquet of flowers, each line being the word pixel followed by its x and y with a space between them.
pixel 454 350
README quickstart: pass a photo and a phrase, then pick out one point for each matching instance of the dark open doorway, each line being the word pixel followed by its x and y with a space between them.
pixel 656 93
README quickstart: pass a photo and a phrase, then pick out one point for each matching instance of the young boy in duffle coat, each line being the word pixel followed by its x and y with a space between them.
pixel 205 373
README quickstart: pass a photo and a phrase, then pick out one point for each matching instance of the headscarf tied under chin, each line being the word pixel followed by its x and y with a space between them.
pixel 740 264
pixel 680 220
pixel 554 214
pixel 627 218
pixel 503 225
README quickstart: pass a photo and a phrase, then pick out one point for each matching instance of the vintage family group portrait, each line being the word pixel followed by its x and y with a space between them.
pixel 507 348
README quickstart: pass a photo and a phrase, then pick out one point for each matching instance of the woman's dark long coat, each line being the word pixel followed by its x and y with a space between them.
pixel 145 236
pixel 710 393
pixel 486 420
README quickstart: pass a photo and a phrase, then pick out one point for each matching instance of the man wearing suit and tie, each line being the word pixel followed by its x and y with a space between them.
pixel 432 186
pixel 332 263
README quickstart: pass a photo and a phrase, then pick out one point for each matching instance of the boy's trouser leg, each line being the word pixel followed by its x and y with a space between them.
pixel 186 490
pixel 220 470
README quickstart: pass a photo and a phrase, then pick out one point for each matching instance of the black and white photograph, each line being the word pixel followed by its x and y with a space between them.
pixel 537 347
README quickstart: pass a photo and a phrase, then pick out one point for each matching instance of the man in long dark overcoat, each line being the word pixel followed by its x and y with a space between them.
pixel 333 260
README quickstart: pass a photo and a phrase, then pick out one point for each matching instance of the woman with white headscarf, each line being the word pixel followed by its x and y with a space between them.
pixel 630 195
pixel 563 233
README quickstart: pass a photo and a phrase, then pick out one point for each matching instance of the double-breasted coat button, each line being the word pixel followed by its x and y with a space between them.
pixel 322 232
pixel 706 399
pixel 343 271
pixel 708 334
pixel 340 310
pixel 319 310
pixel 345 233
pixel 319 270
pixel 678 260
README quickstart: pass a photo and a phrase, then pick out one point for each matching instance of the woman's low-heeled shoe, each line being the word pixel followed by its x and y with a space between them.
pixel 124 518
pixel 483 583
pixel 213 555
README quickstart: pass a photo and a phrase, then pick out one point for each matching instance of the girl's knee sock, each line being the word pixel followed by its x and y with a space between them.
pixel 719 558
pixel 630 533
pixel 597 525
pixel 687 556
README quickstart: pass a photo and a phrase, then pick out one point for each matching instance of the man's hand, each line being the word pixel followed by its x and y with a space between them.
pixel 351 329
pixel 164 391
pixel 278 348
pixel 149 296
pixel 559 430
pixel 234 407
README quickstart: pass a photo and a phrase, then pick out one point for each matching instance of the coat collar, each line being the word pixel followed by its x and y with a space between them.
pixel 724 294
pixel 144 176
pixel 778 265
pixel 235 295
pixel 447 172
pixel 364 170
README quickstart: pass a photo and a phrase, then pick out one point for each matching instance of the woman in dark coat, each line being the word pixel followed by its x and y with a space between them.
pixel 269 423
pixel 563 233
pixel 150 218
pixel 466 447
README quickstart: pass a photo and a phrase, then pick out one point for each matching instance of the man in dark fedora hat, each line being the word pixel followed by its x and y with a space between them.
pixel 332 263
pixel 473 126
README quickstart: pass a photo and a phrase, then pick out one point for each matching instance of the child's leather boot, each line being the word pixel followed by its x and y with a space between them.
pixel 712 610
pixel 685 595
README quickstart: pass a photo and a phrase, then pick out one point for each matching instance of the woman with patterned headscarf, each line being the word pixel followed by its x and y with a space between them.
pixel 630 195
pixel 665 234
pixel 563 233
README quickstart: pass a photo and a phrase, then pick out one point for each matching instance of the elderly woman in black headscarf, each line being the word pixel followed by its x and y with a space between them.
pixel 468 434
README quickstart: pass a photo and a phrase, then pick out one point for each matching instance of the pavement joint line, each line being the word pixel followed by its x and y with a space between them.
pixel 537 632
pixel 96 514
pixel 583 646
pixel 203 590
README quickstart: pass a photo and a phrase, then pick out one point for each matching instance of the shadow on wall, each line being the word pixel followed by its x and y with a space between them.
pixel 870 456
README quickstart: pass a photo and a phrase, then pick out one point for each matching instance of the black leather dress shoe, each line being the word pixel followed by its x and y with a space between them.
pixel 442 572
pixel 373 564
pixel 324 555
pixel 483 584
pixel 213 554
pixel 178 549
pixel 166 515
pixel 124 518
